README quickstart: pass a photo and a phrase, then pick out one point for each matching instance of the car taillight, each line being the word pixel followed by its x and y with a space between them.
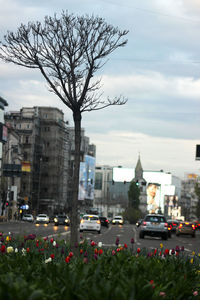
pixel 144 223
pixel 181 225
pixel 106 221
pixel 193 226
pixel 166 224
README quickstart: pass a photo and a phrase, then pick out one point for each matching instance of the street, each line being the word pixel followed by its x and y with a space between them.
pixel 108 235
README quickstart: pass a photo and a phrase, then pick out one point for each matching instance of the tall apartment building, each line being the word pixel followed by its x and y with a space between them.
pixel 45 150
pixel 189 198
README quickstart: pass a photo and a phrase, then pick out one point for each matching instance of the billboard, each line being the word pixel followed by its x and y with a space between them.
pixel 154 202
pixel 87 178
pixel 158 184
pixel 3 133
pixel 197 152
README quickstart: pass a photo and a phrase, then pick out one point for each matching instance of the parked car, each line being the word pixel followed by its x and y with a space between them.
pixel 118 220
pixel 104 221
pixel 173 224
pixel 28 218
pixel 42 219
pixel 186 228
pixel 154 225
pixel 61 220
pixel 90 223
pixel 197 224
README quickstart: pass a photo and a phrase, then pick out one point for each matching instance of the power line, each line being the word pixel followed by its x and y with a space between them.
pixel 151 11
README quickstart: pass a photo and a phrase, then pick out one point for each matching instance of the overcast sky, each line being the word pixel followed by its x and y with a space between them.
pixel 158 71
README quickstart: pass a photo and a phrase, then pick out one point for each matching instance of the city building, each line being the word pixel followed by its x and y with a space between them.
pixel 189 198
pixel 45 156
pixel 3 139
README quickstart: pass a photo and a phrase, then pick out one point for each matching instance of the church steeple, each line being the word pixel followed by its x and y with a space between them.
pixel 138 170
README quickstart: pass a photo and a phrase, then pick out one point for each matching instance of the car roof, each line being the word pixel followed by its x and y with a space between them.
pixel 90 215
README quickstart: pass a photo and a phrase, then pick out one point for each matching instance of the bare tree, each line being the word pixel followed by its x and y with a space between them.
pixel 68 51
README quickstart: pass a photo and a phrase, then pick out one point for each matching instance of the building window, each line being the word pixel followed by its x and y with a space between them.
pixel 98 181
pixel 27 139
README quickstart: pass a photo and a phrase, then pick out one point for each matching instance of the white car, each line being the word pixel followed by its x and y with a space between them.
pixel 27 217
pixel 90 223
pixel 42 218
pixel 118 220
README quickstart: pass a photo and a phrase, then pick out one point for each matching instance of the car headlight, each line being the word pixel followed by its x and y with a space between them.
pixel 120 221
pixel 55 220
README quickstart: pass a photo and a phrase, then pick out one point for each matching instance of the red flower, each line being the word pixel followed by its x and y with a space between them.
pixel 96 251
pixel 125 246
pixel 118 249
pixel 51 240
pixel 27 250
pixel 92 243
pixel 152 284
pixel 155 251
pixel 81 251
pixel 100 251
pixel 67 259
pixel 166 252
pixel 71 254
pixel 138 250
pixel 3 248
pixel 52 256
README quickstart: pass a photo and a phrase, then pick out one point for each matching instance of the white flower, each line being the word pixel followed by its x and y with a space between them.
pixel 54 243
pixel 9 249
pixel 48 260
pixel 100 244
pixel 23 251
pixel 16 250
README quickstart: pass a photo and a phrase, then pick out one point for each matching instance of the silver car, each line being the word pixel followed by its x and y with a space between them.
pixel 154 225
pixel 28 218
pixel 42 219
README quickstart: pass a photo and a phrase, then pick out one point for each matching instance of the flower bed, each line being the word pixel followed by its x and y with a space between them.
pixel 33 268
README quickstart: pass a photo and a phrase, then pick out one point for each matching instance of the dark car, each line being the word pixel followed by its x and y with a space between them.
pixel 61 220
pixel 173 224
pixel 104 221
pixel 186 228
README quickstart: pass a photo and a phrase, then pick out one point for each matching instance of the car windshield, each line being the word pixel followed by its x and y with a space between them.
pixel 43 216
pixel 27 215
pixel 118 218
pixel 62 217
pixel 156 219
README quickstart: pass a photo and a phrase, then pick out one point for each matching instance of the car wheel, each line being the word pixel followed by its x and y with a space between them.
pixel 141 235
pixel 99 231
pixel 81 230
pixel 177 234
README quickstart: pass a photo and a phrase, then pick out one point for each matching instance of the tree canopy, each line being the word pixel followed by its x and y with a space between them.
pixel 68 51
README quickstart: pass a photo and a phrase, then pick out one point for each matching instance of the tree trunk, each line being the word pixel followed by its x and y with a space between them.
pixel 75 182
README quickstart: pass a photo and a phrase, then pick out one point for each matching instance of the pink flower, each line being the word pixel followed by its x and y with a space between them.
pixel 51 240
pixel 163 294
pixel 195 293
pixel 92 243
pixel 113 252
